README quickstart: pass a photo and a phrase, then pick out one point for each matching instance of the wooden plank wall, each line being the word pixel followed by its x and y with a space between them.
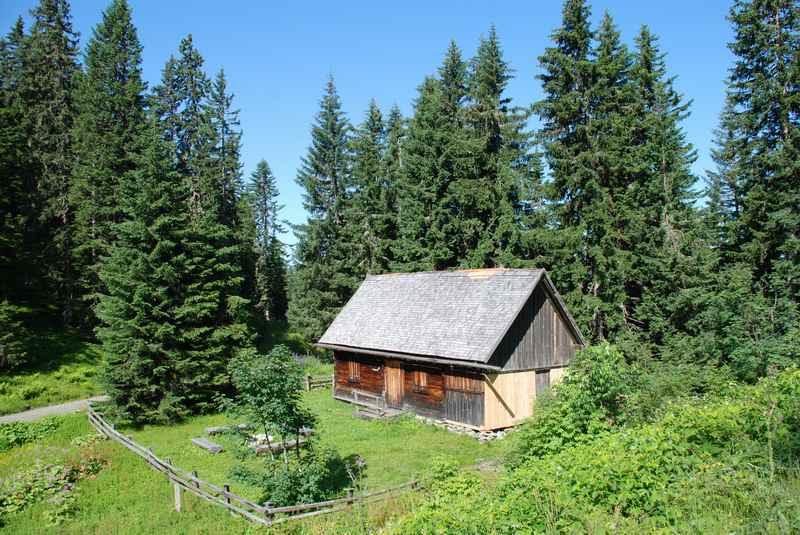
pixel 370 371
pixel 464 400
pixel 427 401
pixel 538 338
pixel 508 398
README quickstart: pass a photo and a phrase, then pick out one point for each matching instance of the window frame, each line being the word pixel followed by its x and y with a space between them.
pixel 419 381
pixel 353 372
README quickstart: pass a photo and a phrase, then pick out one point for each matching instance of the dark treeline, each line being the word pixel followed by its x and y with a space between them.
pixel 602 195
pixel 124 208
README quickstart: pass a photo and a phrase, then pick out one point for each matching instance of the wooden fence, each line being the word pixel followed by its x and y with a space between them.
pixel 266 515
pixel 318 381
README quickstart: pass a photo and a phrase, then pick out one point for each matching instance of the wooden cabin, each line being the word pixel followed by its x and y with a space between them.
pixel 472 347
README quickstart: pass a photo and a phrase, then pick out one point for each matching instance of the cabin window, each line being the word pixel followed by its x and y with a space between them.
pixel 420 379
pixel 353 372
pixel 542 381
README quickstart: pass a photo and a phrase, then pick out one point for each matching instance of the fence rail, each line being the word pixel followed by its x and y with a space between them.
pixel 318 381
pixel 266 515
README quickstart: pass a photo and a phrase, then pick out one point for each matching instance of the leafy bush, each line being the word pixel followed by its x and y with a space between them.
pixel 321 474
pixel 268 391
pixel 18 433
pixel 710 461
pixel 42 481
pixel 586 403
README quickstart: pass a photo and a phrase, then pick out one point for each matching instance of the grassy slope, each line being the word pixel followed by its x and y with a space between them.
pixel 62 367
pixel 127 497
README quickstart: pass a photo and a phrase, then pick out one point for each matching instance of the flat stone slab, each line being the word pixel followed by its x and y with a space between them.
pixel 207 445
pixel 216 430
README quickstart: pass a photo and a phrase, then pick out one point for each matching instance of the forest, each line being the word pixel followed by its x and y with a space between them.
pixel 125 217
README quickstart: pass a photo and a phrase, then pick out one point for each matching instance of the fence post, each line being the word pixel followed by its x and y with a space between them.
pixel 308 382
pixel 227 488
pixel 178 492
pixel 349 496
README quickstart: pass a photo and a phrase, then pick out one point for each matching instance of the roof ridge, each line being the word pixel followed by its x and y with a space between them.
pixel 510 271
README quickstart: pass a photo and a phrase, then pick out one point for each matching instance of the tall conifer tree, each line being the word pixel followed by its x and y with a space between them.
pixel 17 200
pixel 270 264
pixel 47 87
pixel 325 275
pixel 110 111
pixel 437 152
pixel 144 284
pixel 759 144
pixel 372 210
pixel 491 198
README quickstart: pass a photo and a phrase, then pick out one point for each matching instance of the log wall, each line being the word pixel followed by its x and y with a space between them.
pixel 370 374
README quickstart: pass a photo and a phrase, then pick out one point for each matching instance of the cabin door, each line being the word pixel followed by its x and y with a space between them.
pixel 393 375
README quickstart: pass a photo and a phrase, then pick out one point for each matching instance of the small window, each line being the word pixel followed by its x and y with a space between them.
pixel 353 372
pixel 420 379
pixel 542 381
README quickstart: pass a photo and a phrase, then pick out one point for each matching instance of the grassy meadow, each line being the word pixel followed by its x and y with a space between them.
pixel 62 366
pixel 128 497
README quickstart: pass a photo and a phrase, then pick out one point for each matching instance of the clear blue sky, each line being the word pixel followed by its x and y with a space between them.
pixel 277 56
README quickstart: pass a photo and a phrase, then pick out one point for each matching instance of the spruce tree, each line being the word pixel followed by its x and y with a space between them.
pixel 110 110
pixel 437 152
pixel 17 197
pixel 224 123
pixel 372 210
pixel 179 102
pixel 270 265
pixel 491 198
pixel 325 275
pixel 144 287
pixel 662 223
pixel 47 86
pixel 11 60
pixel 608 254
pixel 759 144
pixel 564 112
pixel 200 126
pixel 216 311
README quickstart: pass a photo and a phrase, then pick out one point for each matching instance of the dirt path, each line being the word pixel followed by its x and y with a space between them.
pixel 41 412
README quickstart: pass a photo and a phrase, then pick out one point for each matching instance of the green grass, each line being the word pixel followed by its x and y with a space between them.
pixel 61 366
pixel 128 497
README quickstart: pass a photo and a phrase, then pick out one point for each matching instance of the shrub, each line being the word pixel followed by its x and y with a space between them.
pixel 321 474
pixel 268 391
pixel 18 433
pixel 586 403
pixel 42 481
pixel 700 461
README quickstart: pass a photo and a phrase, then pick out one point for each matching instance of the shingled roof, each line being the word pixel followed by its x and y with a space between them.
pixel 451 315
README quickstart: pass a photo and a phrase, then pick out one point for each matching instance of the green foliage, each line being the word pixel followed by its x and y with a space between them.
pixel 15 434
pixel 110 110
pixel 321 474
pixel 324 276
pixel 141 318
pixel 587 402
pixel 726 322
pixel 47 480
pixel 12 334
pixel 721 455
pixel 268 391
pixel 46 90
pixel 270 263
